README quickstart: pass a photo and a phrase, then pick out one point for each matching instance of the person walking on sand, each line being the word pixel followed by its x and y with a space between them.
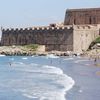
pixel 95 60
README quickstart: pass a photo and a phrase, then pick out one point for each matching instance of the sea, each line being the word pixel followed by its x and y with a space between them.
pixel 49 78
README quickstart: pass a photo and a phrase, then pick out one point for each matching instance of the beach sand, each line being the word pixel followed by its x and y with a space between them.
pixel 87 79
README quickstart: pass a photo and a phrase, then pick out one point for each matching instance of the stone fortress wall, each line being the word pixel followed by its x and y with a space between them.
pixel 83 35
pixel 54 38
pixel 73 35
pixel 82 16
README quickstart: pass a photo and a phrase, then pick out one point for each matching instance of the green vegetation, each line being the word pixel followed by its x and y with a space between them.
pixel 19 49
pixel 32 47
pixel 97 40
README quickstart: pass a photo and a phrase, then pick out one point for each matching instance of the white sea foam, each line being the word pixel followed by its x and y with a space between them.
pixel 32 56
pixel 51 56
pixel 35 68
pixel 52 69
pixel 2 55
pixel 55 89
pixel 29 96
pixel 68 58
pixel 43 83
pixel 78 61
pixel 24 58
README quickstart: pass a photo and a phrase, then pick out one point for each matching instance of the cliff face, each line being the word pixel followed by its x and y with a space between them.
pixel 82 16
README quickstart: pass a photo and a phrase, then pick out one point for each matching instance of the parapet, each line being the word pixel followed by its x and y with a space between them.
pixel 85 27
pixel 43 28
pixel 49 28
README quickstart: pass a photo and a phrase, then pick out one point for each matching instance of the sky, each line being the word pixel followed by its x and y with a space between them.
pixel 28 13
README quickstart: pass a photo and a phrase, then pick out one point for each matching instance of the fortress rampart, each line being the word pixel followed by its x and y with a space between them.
pixel 76 34
pixel 83 35
pixel 54 38
pixel 63 38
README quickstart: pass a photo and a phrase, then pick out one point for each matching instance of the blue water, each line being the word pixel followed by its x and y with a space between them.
pixel 49 78
pixel 32 78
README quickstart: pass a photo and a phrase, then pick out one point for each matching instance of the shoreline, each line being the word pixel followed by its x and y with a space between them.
pixel 80 89
pixel 78 74
pixel 21 51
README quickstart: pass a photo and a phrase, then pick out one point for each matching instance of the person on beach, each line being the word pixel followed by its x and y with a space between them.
pixel 10 63
pixel 95 59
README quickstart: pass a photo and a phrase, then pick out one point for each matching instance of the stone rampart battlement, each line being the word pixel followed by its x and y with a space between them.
pixel 80 28
pixel 49 28
pixel 38 28
pixel 85 27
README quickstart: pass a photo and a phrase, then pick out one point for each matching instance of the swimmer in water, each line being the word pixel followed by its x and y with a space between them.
pixel 10 63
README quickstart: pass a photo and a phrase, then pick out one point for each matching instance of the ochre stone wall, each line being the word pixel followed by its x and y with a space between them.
pixel 54 38
pixel 75 38
pixel 82 16
pixel 83 35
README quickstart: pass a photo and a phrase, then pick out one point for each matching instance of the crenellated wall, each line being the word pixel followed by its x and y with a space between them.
pixel 80 28
pixel 75 38
pixel 54 38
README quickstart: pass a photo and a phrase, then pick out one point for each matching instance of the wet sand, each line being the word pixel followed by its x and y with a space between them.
pixel 86 74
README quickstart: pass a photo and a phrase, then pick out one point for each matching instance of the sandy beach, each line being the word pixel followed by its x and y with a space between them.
pixel 86 75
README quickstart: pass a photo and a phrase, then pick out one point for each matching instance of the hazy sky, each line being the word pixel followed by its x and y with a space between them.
pixel 26 13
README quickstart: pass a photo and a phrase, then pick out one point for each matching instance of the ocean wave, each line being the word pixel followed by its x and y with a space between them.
pixel 24 58
pixel 35 81
pixel 53 82
pixel 2 55
pixel 78 61
pixel 68 58
pixel 51 56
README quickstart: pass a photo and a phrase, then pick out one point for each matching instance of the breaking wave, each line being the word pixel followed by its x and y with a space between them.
pixel 35 81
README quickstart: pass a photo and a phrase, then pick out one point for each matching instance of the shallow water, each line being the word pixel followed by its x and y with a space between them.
pixel 26 78
pixel 49 78
pixel 87 80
